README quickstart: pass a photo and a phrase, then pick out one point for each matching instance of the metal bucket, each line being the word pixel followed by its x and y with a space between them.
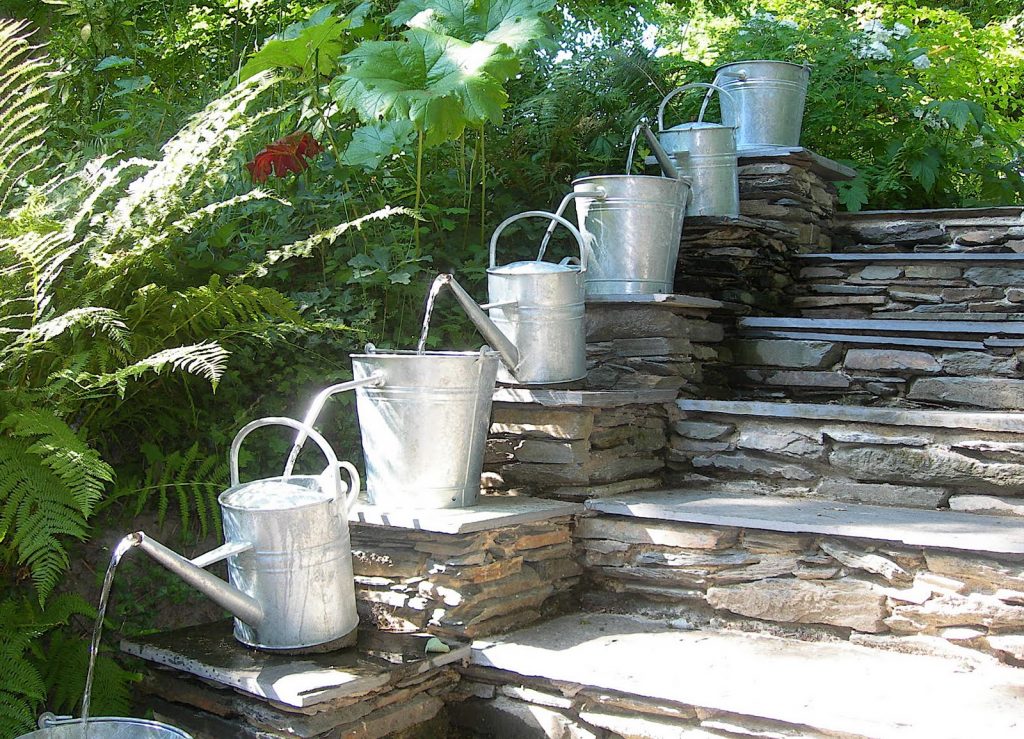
pixel 632 225
pixel 706 154
pixel 424 428
pixel 104 727
pixel 765 102
pixel 539 307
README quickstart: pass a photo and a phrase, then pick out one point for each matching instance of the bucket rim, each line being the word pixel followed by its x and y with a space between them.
pixel 58 721
pixel 327 497
pixel 484 352
pixel 683 180
pixel 804 65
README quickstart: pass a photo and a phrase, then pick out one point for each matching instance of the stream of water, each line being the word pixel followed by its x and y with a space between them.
pixel 435 288
pixel 119 551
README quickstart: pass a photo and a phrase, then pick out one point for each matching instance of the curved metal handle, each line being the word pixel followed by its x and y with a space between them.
pixel 352 496
pixel 541 214
pixel 711 88
pixel 599 193
pixel 332 458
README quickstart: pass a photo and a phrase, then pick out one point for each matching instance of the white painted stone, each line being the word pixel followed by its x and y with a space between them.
pixel 910 696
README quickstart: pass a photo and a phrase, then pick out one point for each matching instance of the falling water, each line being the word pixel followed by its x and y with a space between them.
pixel 119 551
pixel 439 282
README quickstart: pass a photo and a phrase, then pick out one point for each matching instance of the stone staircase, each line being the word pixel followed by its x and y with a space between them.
pixel 786 503
pixel 836 548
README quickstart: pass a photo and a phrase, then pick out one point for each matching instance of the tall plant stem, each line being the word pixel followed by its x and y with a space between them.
pixel 419 190
pixel 483 188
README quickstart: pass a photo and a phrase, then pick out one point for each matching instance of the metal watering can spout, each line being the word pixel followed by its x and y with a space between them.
pixel 241 606
pixel 505 348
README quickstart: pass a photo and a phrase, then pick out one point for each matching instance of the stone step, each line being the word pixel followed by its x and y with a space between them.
pixel 887 456
pixel 602 675
pixel 956 364
pixel 971 230
pixel 865 285
pixel 811 569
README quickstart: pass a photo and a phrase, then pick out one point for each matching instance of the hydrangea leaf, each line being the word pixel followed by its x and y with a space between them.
pixel 516 23
pixel 437 82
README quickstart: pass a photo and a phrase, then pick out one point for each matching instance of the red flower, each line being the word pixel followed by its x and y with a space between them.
pixel 288 154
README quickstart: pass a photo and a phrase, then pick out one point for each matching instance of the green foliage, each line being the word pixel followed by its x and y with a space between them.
pixel 22 102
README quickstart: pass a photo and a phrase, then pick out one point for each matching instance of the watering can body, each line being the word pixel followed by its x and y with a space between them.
pixel 765 102
pixel 535 312
pixel 288 554
pixel 706 154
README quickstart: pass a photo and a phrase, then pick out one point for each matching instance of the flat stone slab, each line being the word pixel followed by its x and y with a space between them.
pixel 827 169
pixel 972 420
pixel 950 216
pixel 582 398
pixel 668 300
pixel 911 526
pixel 975 325
pixel 916 257
pixel 490 512
pixel 872 340
pixel 834 687
pixel 211 652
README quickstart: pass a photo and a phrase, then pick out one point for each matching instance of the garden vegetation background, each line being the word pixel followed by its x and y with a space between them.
pixel 206 206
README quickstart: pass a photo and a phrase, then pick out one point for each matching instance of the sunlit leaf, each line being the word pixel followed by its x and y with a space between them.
pixel 113 62
pixel 372 143
pixel 517 23
pixel 437 82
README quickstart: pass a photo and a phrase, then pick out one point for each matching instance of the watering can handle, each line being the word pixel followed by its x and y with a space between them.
pixel 690 85
pixel 352 497
pixel 541 214
pixel 332 459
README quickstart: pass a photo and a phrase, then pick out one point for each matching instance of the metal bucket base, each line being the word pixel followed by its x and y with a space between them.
pixel 343 642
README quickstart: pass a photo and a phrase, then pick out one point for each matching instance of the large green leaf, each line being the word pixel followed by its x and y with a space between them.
pixel 371 143
pixel 516 23
pixel 311 47
pixel 437 82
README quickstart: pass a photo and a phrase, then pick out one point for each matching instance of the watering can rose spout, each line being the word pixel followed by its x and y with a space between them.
pixel 505 348
pixel 241 606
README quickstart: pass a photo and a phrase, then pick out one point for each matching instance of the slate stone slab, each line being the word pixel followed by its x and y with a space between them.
pixel 211 652
pixel 977 421
pixel 915 527
pixel 491 512
pixel 667 300
pixel 972 325
pixel 913 257
pixel 582 398
pixel 833 687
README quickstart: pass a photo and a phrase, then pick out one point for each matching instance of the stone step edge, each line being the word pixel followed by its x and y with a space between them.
pixel 869 339
pixel 851 691
pixel 887 325
pixel 582 398
pixel 910 257
pixel 908 526
pixel 998 421
pixel 936 214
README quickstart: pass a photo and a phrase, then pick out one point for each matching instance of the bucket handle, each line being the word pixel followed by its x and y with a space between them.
pixel 554 218
pixel 711 89
pixel 354 484
pixel 333 465
pixel 600 193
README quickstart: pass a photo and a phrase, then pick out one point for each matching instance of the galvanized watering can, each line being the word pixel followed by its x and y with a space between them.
pixel 103 727
pixel 536 311
pixel 765 101
pixel 706 153
pixel 424 425
pixel 288 552
pixel 633 224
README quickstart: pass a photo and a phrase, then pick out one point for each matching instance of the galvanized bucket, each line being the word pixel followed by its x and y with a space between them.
pixel 424 428
pixel 766 101
pixel 706 153
pixel 103 727
pixel 539 307
pixel 299 566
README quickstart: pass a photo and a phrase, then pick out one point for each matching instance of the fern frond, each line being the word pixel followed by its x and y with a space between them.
pixel 77 464
pixel 22 689
pixel 23 92
pixel 206 359
pixel 305 247
pixel 215 306
pixel 189 221
pixel 37 513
